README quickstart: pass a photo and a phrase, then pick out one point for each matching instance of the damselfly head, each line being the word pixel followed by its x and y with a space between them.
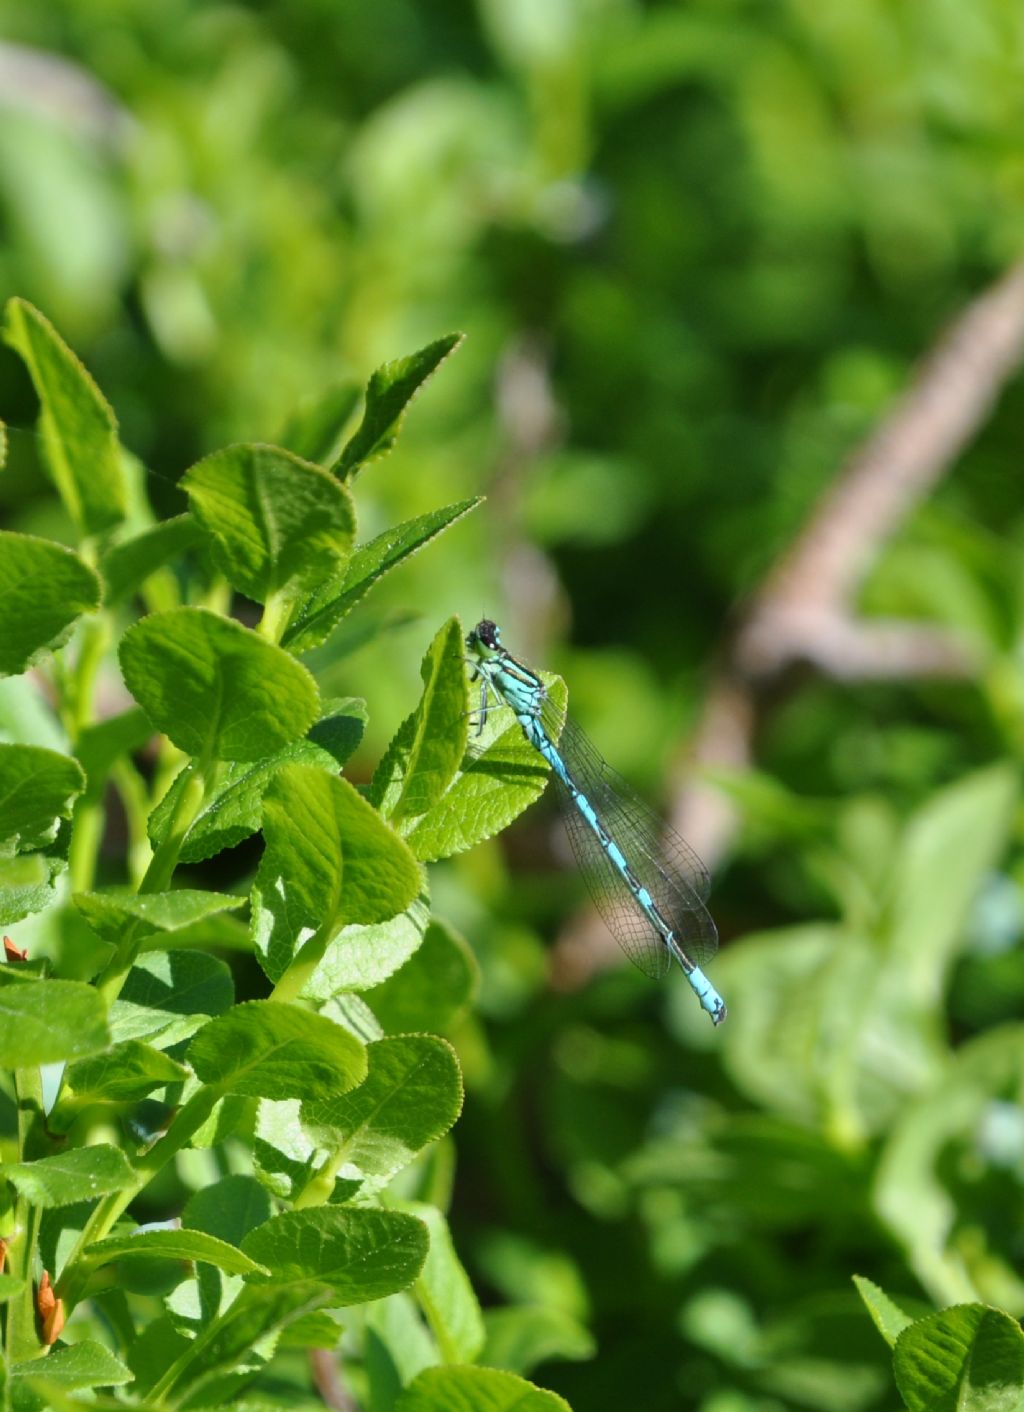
pixel 485 635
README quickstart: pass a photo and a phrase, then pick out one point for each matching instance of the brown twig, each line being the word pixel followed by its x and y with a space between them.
pixel 805 610
pixel 326 1372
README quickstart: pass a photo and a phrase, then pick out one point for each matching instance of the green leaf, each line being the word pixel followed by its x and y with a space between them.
pixel 359 957
pixel 889 1319
pixel 44 590
pixel 28 881
pixel 357 1254
pixel 152 1352
pixel 214 688
pixel 43 1022
pixel 264 1049
pixel 424 756
pixel 67 1177
pixel 314 429
pixel 834 969
pixel 445 1293
pixel 969 1358
pixel 173 1245
pixel 397 1346
pixel 412 1094
pixel 275 523
pixel 148 913
pixel 102 744
pixel 432 989
pixel 476 1390
pixel 10 1285
pixel 388 393
pixel 284 1155
pixel 317 1330
pixel 521 1336
pixel 912 1193
pixel 168 995
pixel 352 1012
pixel 234 809
pixel 330 860
pixel 220 930
pixel 228 1209
pixel 126 566
pixel 37 789
pixel 948 849
pixel 333 601
pixel 500 776
pixel 77 425
pixel 125 1073
pixel 84 1364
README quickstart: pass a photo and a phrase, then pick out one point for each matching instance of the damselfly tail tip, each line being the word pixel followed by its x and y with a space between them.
pixel 719 1013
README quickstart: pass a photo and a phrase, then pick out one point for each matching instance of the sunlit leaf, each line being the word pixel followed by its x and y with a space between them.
pixel 77 425
pixel 217 690
pixel 411 1095
pixel 476 1390
pixel 388 393
pixel 44 590
pixel 275 523
pixel 968 1359
pixel 44 1021
pixel 330 860
pixel 76 1175
pixel 37 789
pixel 325 609
pixel 264 1049
pixel 357 1255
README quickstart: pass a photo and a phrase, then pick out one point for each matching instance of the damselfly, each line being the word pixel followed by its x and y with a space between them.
pixel 649 886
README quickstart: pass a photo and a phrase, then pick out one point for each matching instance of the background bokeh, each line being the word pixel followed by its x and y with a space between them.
pixel 696 249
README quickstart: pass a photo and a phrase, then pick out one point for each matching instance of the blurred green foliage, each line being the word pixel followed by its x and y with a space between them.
pixel 696 248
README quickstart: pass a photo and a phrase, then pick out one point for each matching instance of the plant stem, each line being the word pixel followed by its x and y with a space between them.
pixel 86 838
pixel 158 875
pixel 77 713
pixel 291 984
pixel 317 1191
pixel 133 798
pixel 276 613
pixel 186 1123
pixel 78 707
pixel 22 1339
pixel 190 801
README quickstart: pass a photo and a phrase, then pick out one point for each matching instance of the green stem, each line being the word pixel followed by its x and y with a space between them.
pixel 95 638
pixel 213 1331
pixel 22 1339
pixel 158 875
pixel 190 801
pixel 86 838
pixel 77 713
pixel 32 1136
pixel 132 790
pixel 317 1191
pixel 21 1336
pixel 276 612
pixel 310 954
pixel 274 1307
pixel 101 1220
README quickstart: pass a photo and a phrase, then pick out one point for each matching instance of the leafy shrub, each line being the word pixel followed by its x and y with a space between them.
pixel 283 1149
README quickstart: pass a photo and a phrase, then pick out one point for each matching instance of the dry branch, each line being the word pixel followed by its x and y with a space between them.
pixel 805 610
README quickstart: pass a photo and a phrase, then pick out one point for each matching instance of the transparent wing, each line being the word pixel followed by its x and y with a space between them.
pixel 662 862
pixel 625 918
